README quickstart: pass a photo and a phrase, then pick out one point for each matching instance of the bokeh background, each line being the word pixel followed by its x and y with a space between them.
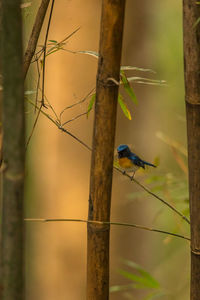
pixel 58 167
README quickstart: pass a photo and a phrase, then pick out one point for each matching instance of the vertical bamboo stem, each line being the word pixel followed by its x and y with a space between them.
pixel 191 13
pixel 13 151
pixel 32 44
pixel 112 20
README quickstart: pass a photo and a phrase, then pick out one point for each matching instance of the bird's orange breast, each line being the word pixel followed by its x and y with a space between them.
pixel 125 163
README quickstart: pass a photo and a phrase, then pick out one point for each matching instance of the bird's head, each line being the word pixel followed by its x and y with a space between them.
pixel 123 151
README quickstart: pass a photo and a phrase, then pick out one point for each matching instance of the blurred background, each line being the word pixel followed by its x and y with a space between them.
pixel 58 167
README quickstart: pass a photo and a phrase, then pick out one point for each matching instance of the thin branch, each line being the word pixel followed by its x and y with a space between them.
pixel 38 55
pixel 45 114
pixel 61 128
pixel 59 45
pixel 36 101
pixel 44 54
pixel 65 39
pixel 56 47
pixel 110 223
pixel 38 85
pixel 77 103
pixel 34 125
pixel 48 104
pixel 154 195
pixel 162 200
pixel 75 118
pixel 35 35
pixel 77 139
pixel 116 168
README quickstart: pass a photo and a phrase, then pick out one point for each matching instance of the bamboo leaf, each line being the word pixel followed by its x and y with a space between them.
pixel 148 279
pixel 127 87
pixel 53 41
pixel 91 103
pixel 153 296
pixel 126 68
pixel 196 23
pixel 124 107
pixel 145 80
pixel 92 53
pixel 144 281
pixel 53 51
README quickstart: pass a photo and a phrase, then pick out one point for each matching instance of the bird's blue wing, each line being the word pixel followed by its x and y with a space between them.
pixel 136 160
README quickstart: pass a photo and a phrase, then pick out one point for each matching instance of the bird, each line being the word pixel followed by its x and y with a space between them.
pixel 129 161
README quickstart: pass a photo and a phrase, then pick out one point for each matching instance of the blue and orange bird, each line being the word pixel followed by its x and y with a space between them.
pixel 129 161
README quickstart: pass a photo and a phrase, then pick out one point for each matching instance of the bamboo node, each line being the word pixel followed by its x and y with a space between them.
pixel 14 177
pixel 192 100
pixel 113 80
pixel 98 226
pixel 108 82
pixel 195 251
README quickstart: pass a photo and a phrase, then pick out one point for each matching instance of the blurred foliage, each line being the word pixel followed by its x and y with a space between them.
pixel 173 187
pixel 140 279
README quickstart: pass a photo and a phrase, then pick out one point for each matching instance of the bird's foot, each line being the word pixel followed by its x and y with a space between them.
pixel 132 177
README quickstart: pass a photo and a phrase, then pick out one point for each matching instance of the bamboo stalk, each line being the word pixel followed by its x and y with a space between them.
pixel 13 152
pixel 191 13
pixel 35 35
pixel 112 20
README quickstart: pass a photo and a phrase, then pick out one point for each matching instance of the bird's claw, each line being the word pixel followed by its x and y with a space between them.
pixel 132 177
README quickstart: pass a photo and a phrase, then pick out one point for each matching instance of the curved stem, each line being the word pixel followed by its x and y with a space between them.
pixel 110 223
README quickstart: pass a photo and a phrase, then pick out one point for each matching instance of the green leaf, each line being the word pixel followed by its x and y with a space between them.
pixel 145 281
pixel 127 87
pixel 53 50
pixel 153 296
pixel 91 103
pixel 196 23
pixel 124 107
pixel 53 41
pixel 153 283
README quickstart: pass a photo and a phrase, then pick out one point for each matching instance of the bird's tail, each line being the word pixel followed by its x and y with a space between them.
pixel 149 164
